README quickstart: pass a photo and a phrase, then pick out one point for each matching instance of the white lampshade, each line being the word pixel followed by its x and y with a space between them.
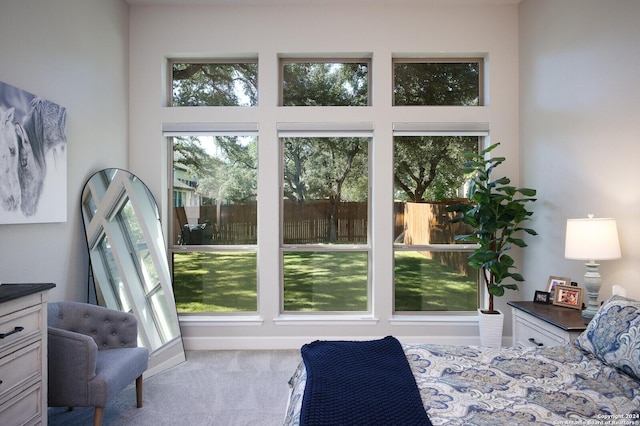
pixel 592 239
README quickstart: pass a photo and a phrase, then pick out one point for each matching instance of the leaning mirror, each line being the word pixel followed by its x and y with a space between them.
pixel 129 261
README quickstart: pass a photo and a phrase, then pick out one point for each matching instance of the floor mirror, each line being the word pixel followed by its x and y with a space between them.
pixel 129 264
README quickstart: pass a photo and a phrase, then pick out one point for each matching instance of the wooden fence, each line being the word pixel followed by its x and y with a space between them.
pixel 310 223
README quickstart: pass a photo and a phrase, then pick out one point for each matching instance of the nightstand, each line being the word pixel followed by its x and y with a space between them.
pixel 537 324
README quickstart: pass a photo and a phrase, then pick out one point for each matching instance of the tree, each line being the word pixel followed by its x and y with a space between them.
pixel 326 169
pixel 429 168
pixel 215 84
pixel 229 174
pixel 325 84
pixel 436 83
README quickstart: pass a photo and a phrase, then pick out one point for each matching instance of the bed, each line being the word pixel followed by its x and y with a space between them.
pixel 595 378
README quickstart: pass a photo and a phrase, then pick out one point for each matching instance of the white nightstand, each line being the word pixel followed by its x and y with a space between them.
pixel 538 324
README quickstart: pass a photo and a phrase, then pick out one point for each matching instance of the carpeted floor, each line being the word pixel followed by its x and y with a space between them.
pixel 216 388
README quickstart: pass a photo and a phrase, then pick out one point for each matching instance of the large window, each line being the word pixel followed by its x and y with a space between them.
pixel 431 270
pixel 214 232
pixel 324 227
pixel 328 187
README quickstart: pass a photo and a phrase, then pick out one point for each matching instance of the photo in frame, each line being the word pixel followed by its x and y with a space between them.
pixel 555 281
pixel 542 297
pixel 568 296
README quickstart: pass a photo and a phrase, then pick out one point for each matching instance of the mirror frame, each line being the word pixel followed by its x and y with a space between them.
pixel 129 263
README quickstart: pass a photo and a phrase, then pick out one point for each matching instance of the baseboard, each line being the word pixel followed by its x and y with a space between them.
pixel 266 343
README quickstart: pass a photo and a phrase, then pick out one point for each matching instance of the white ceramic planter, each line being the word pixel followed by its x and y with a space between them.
pixel 490 328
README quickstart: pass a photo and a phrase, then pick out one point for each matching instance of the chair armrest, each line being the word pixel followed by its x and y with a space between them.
pixel 71 364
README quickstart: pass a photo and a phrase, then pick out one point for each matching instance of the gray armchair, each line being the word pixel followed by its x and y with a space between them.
pixel 93 355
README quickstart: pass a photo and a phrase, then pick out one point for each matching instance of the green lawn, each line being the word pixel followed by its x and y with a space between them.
pixel 316 281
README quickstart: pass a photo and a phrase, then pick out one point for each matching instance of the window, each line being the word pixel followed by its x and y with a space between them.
pixel 214 238
pixel 437 82
pixel 318 174
pixel 214 83
pixel 431 271
pixel 325 224
pixel 325 82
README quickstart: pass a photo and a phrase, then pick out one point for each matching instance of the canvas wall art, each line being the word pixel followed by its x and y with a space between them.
pixel 33 158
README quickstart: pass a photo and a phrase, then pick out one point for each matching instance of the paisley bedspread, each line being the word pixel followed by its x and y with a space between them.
pixel 467 385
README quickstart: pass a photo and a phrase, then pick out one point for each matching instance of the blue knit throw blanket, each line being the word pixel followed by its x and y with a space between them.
pixel 360 383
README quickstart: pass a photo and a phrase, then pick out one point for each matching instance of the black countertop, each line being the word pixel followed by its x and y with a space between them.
pixel 565 318
pixel 15 291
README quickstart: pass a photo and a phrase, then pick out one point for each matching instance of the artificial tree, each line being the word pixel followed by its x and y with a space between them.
pixel 495 210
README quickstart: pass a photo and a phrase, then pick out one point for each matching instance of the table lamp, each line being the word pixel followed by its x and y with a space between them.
pixel 592 239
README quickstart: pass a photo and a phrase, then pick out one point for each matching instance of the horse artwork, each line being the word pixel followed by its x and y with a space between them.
pixel 33 158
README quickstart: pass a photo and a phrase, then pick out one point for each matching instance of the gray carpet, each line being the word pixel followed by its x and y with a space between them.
pixel 211 388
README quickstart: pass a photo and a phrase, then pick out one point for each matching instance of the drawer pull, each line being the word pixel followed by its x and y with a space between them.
pixel 14 331
pixel 532 340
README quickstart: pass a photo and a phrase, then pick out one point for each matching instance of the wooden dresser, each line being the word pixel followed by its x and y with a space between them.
pixel 23 354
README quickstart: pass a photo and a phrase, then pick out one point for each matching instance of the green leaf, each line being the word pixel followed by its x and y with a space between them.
pixel 527 192
pixel 517 241
pixel 496 290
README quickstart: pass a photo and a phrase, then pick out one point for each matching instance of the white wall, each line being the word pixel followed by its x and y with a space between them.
pixel 580 130
pixel 74 53
pixel 382 30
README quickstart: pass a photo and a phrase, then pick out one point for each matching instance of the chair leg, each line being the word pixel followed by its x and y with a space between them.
pixel 139 391
pixel 97 416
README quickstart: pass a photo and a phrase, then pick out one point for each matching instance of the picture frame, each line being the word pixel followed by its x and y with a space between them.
pixel 555 281
pixel 542 297
pixel 568 296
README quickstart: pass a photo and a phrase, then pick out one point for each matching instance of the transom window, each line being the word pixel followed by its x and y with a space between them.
pixel 437 82
pixel 214 83
pixel 325 82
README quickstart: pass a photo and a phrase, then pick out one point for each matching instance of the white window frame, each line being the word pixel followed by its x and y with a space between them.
pixel 170 130
pixel 326 130
pixel 479 129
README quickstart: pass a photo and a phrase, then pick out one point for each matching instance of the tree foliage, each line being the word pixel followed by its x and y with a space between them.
pixel 230 174
pixel 429 168
pixel 325 84
pixel 334 169
pixel 215 84
pixel 432 83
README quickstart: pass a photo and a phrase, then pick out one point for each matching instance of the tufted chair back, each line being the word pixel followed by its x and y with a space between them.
pixel 107 327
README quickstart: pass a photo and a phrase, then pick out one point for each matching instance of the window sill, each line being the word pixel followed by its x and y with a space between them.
pixel 441 320
pixel 326 320
pixel 209 320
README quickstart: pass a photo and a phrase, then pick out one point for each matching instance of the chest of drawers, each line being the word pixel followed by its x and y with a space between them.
pixel 23 354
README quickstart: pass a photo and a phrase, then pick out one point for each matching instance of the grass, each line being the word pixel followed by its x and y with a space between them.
pixel 316 281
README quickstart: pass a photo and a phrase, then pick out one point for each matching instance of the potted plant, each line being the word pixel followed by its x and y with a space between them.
pixel 495 210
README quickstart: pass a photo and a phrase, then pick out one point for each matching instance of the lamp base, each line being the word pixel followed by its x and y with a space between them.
pixel 592 283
